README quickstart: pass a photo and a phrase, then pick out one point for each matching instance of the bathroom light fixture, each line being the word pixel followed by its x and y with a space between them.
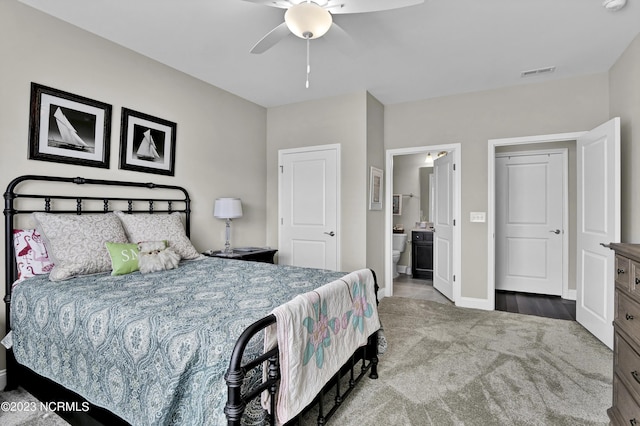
pixel 227 208
pixel 307 20
pixel 429 160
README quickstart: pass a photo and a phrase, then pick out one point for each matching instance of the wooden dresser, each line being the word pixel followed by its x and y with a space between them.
pixel 626 340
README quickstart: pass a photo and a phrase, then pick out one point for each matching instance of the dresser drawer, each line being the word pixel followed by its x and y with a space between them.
pixel 628 410
pixel 627 363
pixel 634 278
pixel 623 272
pixel 627 314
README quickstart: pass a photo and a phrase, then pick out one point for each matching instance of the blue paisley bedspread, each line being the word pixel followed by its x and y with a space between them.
pixel 151 348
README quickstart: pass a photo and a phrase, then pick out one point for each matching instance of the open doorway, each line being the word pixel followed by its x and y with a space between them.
pixel 597 221
pixel 447 240
pixel 498 148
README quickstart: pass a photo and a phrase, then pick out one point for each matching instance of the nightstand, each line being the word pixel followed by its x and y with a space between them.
pixel 251 254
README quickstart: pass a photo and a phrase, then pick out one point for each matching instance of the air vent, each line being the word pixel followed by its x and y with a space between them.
pixel 531 73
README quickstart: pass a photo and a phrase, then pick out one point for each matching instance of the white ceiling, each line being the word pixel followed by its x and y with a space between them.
pixel 438 48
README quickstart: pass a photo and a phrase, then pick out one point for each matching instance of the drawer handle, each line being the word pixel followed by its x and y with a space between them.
pixel 636 375
pixel 620 271
pixel 637 281
pixel 628 317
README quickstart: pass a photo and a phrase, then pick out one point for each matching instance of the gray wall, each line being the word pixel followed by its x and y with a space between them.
pixel 337 120
pixel 375 218
pixel 624 86
pixel 472 119
pixel 220 147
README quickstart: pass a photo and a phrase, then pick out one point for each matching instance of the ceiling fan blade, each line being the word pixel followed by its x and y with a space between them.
pixel 282 4
pixel 339 38
pixel 364 6
pixel 272 37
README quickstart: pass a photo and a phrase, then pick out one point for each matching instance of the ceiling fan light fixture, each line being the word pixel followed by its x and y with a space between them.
pixel 308 20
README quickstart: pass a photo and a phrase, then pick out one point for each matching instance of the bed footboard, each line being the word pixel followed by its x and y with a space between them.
pixel 237 400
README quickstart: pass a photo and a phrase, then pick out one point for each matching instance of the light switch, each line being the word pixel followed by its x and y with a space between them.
pixel 477 217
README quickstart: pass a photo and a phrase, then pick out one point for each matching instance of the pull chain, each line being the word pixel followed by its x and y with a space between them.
pixel 308 66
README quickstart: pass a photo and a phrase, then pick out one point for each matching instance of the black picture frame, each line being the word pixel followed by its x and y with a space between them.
pixel 147 143
pixel 68 128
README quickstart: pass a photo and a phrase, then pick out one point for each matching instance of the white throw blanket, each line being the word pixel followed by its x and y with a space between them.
pixel 316 333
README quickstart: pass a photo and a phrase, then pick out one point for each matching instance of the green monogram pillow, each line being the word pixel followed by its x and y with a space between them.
pixel 124 257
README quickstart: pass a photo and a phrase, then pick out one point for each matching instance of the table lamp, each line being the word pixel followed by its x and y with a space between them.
pixel 227 208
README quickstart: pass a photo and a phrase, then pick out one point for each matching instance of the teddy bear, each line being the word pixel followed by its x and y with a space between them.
pixel 156 256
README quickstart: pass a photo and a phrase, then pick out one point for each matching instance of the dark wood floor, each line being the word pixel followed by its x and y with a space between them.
pixel 536 304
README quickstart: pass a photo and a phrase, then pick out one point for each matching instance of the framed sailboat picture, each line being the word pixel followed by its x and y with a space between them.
pixel 147 144
pixel 68 128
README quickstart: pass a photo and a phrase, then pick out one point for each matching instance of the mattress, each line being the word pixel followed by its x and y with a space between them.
pixel 151 348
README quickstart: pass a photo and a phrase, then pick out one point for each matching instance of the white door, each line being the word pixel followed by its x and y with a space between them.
pixel 598 163
pixel 308 200
pixel 443 223
pixel 530 223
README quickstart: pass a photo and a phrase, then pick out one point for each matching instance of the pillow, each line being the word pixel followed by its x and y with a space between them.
pixel 124 257
pixel 157 227
pixel 76 243
pixel 31 254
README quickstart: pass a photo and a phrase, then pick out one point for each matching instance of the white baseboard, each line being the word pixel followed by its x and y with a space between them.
pixel 381 293
pixel 3 379
pixel 570 295
pixel 474 303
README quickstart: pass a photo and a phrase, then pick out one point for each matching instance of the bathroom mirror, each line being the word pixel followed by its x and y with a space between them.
pixel 426 193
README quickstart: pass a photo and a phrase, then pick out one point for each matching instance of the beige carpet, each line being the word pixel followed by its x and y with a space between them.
pixel 452 366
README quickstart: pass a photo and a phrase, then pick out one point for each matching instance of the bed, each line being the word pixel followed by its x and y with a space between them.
pixel 197 343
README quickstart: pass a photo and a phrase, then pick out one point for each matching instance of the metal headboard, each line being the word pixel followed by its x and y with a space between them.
pixel 167 205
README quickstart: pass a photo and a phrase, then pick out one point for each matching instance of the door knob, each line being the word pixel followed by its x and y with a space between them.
pixel 555 231
pixel 331 234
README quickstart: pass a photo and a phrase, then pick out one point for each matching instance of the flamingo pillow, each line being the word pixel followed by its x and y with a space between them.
pixel 31 254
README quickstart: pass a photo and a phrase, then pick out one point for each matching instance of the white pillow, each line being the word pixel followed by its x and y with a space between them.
pixel 158 227
pixel 76 243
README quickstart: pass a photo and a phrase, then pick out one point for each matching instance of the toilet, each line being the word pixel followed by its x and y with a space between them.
pixel 399 244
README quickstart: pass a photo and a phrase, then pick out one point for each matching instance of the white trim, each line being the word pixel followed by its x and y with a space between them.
pixel 564 152
pixel 455 150
pixel 473 303
pixel 491 184
pixel 329 147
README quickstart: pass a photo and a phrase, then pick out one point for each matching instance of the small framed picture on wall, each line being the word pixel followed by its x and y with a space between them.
pixel 147 143
pixel 375 189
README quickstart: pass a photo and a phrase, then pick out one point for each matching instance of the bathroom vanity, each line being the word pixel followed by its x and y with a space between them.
pixel 422 254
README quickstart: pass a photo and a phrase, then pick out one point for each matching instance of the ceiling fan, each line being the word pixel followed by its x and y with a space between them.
pixel 312 19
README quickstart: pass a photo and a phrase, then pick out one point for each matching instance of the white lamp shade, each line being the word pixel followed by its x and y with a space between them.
pixel 227 208
pixel 308 20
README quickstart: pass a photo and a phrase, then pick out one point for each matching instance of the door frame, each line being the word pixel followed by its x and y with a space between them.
pixel 491 187
pixel 564 153
pixel 329 147
pixel 455 150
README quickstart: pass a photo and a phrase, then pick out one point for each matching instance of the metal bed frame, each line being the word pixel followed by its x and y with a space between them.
pixel 237 400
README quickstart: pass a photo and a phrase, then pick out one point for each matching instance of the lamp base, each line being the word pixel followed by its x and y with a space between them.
pixel 227 244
